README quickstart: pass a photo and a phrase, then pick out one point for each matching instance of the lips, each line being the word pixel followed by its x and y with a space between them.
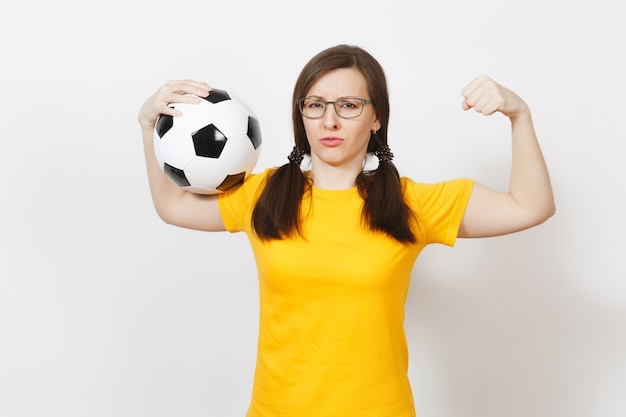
pixel 331 141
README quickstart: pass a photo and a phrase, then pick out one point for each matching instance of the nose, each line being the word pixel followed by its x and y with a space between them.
pixel 331 118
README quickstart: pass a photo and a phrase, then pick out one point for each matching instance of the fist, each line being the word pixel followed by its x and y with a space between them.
pixel 486 96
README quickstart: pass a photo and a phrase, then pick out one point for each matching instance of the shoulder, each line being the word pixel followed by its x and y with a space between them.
pixel 421 193
pixel 439 206
pixel 258 179
pixel 252 182
pixel 236 204
pixel 248 191
pixel 411 184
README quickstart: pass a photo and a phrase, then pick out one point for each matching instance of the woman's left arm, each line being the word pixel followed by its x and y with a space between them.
pixel 529 201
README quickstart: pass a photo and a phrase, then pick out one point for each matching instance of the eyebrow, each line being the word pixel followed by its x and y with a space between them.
pixel 338 98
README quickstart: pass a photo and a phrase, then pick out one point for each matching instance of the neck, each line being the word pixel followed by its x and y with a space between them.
pixel 330 177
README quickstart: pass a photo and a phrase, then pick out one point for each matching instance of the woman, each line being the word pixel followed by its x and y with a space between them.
pixel 335 244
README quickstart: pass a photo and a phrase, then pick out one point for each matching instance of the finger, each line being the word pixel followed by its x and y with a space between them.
pixel 174 92
pixel 474 85
pixel 186 98
pixel 475 99
pixel 493 105
pixel 170 110
pixel 474 92
pixel 487 105
pixel 197 88
pixel 492 99
pixel 167 104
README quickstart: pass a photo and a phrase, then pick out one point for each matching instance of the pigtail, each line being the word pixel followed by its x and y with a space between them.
pixel 276 214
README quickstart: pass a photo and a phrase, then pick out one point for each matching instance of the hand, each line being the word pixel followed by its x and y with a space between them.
pixel 486 96
pixel 171 92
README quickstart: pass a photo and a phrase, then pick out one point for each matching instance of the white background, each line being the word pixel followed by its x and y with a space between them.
pixel 107 311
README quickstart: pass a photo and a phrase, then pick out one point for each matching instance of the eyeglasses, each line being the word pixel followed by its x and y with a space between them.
pixel 345 107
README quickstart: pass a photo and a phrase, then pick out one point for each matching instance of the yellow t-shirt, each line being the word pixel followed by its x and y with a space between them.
pixel 331 337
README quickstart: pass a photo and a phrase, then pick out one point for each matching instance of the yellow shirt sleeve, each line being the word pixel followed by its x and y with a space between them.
pixel 236 205
pixel 439 208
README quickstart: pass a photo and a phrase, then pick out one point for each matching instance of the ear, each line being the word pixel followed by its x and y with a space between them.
pixel 376 126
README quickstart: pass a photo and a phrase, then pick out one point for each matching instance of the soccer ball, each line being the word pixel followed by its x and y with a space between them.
pixel 212 147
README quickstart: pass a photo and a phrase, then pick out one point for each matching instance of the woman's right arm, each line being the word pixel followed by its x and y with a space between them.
pixel 173 204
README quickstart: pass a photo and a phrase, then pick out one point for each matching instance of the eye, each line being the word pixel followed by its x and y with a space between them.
pixel 313 104
pixel 349 104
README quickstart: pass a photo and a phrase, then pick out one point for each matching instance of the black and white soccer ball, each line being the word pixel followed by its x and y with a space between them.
pixel 212 147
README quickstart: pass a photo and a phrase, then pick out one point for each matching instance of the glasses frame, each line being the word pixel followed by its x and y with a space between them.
pixel 363 101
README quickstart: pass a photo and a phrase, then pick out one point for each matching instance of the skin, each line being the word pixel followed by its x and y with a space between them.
pixel 528 202
pixel 336 166
pixel 174 205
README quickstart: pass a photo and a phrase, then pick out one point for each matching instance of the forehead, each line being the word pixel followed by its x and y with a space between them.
pixel 342 82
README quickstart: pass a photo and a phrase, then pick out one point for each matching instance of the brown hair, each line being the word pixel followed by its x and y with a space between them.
pixel 276 214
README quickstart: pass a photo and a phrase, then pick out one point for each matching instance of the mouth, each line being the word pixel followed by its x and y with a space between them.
pixel 331 141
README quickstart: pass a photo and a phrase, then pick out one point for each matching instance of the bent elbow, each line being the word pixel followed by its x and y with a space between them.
pixel 165 218
pixel 548 211
pixel 552 210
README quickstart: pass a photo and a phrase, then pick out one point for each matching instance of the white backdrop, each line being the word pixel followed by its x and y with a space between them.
pixel 106 311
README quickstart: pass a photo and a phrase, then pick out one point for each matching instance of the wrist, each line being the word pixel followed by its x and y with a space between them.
pixel 522 115
pixel 147 132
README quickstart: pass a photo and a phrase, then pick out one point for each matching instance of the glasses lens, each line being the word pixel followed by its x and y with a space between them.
pixel 312 107
pixel 315 108
pixel 349 108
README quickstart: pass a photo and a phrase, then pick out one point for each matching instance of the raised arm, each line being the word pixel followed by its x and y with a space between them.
pixel 529 200
pixel 173 204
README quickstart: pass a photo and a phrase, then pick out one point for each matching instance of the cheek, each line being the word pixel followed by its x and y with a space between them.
pixel 365 132
pixel 308 129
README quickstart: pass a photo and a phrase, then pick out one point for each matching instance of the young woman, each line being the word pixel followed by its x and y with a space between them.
pixel 335 240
